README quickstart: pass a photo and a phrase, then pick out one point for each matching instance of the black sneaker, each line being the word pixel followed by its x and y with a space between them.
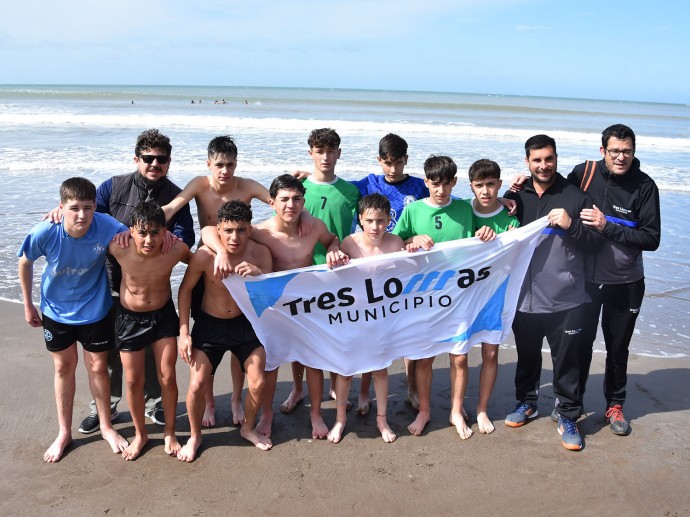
pixel 617 422
pixel 156 416
pixel 91 424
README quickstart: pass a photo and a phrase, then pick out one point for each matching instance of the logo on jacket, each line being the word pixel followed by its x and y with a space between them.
pixel 48 335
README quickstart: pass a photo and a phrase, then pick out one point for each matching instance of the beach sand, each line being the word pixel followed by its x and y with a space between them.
pixel 521 471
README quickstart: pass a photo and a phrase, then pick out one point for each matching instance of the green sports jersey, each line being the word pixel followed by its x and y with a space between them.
pixel 499 221
pixel 336 205
pixel 453 221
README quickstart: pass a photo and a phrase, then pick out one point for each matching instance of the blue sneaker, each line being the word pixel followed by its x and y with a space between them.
pixel 570 435
pixel 521 414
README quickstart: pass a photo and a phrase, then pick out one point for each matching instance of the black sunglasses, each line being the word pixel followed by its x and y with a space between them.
pixel 148 158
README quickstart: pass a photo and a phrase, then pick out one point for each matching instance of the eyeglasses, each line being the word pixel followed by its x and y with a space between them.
pixel 613 153
pixel 162 158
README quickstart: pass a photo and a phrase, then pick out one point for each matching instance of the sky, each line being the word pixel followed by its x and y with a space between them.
pixel 631 50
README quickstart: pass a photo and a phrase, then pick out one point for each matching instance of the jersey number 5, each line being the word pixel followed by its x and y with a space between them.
pixel 438 224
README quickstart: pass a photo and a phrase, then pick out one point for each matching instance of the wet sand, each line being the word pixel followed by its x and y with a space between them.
pixel 521 471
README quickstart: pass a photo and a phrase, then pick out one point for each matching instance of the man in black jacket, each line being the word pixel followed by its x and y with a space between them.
pixel 626 212
pixel 118 196
pixel 553 302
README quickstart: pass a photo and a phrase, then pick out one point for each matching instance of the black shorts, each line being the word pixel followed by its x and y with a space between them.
pixel 94 337
pixel 134 331
pixel 215 336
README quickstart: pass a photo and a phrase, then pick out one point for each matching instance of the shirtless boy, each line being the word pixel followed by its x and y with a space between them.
pixel 210 192
pixel 221 326
pixel 291 250
pixel 146 316
pixel 374 216
pixel 75 303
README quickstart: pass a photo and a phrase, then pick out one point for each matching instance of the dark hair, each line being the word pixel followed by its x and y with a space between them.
pixel 147 215
pixel 150 139
pixel 539 142
pixel 618 131
pixel 285 182
pixel 440 168
pixel 222 145
pixel 79 189
pixel 325 138
pixel 484 168
pixel 374 201
pixel 235 211
pixel 393 147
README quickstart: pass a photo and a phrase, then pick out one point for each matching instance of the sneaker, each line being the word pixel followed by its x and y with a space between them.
pixel 521 414
pixel 91 424
pixel 570 435
pixel 156 415
pixel 617 422
pixel 555 415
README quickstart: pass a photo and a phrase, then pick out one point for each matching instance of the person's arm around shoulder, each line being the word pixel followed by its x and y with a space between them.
pixel 191 191
pixel 221 262
pixel 517 183
pixel 26 279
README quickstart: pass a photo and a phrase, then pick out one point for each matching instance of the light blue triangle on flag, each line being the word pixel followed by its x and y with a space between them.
pixel 264 293
pixel 489 318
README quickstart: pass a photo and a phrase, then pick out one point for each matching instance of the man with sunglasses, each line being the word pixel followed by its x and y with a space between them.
pixel 626 212
pixel 117 197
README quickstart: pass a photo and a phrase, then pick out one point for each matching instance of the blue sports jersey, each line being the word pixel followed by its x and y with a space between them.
pixel 74 284
pixel 399 194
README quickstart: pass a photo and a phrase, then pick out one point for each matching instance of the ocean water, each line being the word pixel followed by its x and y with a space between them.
pixel 49 133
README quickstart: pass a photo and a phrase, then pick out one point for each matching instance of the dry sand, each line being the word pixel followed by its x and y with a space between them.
pixel 521 471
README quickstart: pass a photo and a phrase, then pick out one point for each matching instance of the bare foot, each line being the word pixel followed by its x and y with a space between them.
pixel 172 446
pixel 419 423
pixel 386 432
pixel 291 402
pixel 209 418
pixel 135 448
pixel 461 426
pixel 484 423
pixel 54 452
pixel 363 405
pixel 259 440
pixel 188 452
pixel 237 411
pixel 412 400
pixel 117 443
pixel 265 424
pixel 336 433
pixel 319 431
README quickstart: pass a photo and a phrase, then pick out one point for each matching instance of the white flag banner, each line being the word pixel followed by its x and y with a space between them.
pixel 362 316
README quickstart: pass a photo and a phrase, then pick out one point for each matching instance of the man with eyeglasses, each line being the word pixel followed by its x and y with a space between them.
pixel 117 197
pixel 626 212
